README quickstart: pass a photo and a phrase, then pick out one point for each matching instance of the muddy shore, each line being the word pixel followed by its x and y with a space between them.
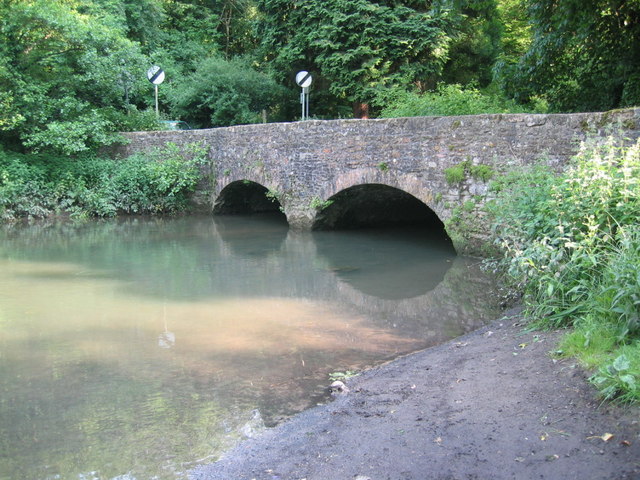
pixel 493 404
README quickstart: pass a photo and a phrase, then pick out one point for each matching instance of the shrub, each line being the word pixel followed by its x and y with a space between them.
pixel 572 243
pixel 37 186
pixel 456 174
pixel 445 100
pixel 225 92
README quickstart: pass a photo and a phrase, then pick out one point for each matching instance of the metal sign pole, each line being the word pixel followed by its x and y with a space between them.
pixel 304 79
pixel 157 110
pixel 306 103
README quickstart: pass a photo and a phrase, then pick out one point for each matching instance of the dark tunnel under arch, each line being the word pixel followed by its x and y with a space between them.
pixel 244 197
pixel 377 206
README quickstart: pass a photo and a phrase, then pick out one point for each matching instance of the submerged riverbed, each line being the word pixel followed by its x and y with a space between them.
pixel 139 348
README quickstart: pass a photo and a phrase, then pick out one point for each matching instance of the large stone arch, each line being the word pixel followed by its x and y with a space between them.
pixel 384 174
pixel 375 197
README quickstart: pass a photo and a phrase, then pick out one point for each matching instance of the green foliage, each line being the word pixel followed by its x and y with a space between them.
pixel 132 120
pixel 458 173
pixel 72 74
pixel 481 172
pixel 62 67
pixel 475 40
pixel 455 175
pixel 383 166
pixel 86 132
pixel 225 92
pixel 10 117
pixel 582 57
pixel 445 100
pixel 319 204
pixel 37 186
pixel 355 47
pixel 469 206
pixel 572 243
pixel 516 30
pixel 619 377
pixel 273 195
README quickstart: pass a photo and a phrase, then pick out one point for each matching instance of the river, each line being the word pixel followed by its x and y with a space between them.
pixel 138 348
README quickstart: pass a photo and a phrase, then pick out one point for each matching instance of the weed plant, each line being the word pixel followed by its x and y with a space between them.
pixel 457 173
pixel 37 186
pixel 571 243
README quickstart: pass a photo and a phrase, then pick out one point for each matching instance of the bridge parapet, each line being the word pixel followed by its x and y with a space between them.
pixel 306 163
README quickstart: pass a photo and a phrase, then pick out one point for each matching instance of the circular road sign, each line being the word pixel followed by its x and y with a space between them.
pixel 303 79
pixel 155 75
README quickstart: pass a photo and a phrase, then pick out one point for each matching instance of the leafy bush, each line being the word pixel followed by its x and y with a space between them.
pixel 36 186
pixel 572 243
pixel 225 92
pixel 133 120
pixel 446 100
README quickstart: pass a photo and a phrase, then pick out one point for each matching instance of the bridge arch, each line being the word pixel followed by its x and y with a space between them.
pixel 386 174
pixel 378 205
pixel 246 197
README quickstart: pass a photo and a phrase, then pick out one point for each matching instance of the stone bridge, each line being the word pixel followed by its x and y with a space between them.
pixel 340 173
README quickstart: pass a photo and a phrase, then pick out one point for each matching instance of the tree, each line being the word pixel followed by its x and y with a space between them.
pixel 235 25
pixel 476 38
pixel 584 55
pixel 63 72
pixel 356 47
pixel 225 92
pixel 194 29
pixel 515 30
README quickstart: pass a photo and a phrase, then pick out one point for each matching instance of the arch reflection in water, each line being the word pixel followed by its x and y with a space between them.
pixel 398 263
pixel 239 234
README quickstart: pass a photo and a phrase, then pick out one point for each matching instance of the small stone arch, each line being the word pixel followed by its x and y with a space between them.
pixel 246 197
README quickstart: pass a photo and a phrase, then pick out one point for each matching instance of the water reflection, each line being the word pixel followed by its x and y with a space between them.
pixel 141 347
pixel 390 264
pixel 239 235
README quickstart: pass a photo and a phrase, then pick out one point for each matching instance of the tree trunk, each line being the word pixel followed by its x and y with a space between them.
pixel 360 110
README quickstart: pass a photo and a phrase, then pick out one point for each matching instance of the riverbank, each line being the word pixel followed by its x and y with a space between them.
pixel 492 404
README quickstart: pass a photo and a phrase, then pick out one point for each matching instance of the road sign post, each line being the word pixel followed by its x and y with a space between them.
pixel 304 79
pixel 156 76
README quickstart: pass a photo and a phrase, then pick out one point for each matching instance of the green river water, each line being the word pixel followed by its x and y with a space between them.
pixel 139 348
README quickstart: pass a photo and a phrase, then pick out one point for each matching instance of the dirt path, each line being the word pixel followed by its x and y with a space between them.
pixel 490 405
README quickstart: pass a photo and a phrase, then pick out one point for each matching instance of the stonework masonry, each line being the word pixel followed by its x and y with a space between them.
pixel 305 163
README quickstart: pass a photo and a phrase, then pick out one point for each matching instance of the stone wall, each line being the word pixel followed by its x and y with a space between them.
pixel 305 163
